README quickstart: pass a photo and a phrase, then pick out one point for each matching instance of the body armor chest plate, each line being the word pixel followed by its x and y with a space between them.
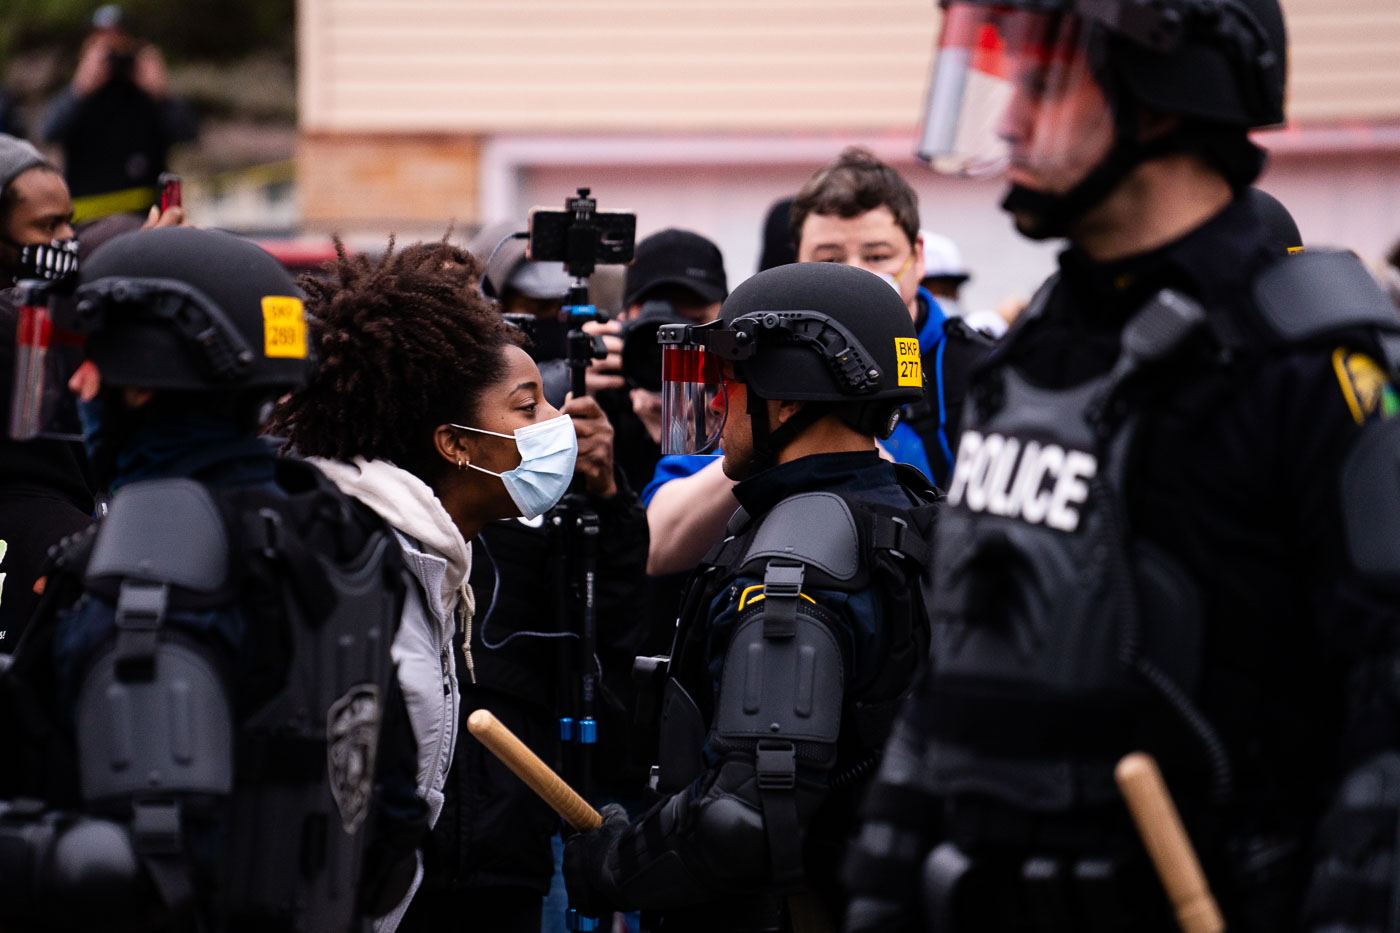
pixel 1052 627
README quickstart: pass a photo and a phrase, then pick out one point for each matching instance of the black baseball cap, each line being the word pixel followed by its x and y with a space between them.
pixel 676 257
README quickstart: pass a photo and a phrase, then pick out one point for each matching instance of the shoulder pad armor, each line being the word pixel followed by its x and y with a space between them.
pixel 813 528
pixel 1320 292
pixel 163 531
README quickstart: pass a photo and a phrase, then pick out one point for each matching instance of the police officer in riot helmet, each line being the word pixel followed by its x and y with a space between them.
pixel 1170 526
pixel 192 721
pixel 801 630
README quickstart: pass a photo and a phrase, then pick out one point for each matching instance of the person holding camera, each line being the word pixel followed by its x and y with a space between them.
pixel 116 122
pixel 676 276
pixel 800 633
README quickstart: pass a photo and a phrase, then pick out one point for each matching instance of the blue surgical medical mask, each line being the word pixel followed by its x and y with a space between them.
pixel 548 450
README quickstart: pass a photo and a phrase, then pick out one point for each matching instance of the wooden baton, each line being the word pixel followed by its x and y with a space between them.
pixel 1140 781
pixel 535 773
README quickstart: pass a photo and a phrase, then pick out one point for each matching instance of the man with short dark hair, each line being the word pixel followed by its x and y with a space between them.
pixel 860 212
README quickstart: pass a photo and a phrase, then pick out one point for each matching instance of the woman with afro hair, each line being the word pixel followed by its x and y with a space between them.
pixel 425 408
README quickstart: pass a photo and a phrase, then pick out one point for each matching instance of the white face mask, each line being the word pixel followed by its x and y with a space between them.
pixel 548 450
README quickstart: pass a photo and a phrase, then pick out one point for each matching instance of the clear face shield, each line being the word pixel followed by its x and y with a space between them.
pixel 46 356
pixel 1012 89
pixel 694 405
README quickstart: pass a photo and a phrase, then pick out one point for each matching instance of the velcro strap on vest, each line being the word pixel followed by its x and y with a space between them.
pixel 156 836
pixel 141 609
pixel 890 533
pixel 155 827
pixel 776 767
pixel 782 587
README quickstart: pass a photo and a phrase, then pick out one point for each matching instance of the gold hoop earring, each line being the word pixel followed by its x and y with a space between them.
pixel 462 464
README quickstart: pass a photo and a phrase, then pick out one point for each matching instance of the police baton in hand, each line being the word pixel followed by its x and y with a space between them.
pixel 535 773
pixel 1159 825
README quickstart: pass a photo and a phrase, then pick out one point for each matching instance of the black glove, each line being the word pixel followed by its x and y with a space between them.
pixel 588 874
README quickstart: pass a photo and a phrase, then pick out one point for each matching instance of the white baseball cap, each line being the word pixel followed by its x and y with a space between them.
pixel 942 258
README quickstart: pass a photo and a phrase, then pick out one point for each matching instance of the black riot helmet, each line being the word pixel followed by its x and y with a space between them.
pixel 1004 71
pixel 191 310
pixel 834 336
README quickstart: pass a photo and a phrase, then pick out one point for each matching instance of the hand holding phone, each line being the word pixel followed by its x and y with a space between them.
pixel 170 193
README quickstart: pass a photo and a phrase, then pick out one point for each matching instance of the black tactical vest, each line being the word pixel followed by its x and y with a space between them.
pixel 886 549
pixel 1060 640
pixel 172 734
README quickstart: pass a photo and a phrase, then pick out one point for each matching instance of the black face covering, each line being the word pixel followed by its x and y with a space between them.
pixel 49 261
pixel 1050 215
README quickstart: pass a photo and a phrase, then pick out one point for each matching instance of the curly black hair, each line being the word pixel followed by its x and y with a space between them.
pixel 403 345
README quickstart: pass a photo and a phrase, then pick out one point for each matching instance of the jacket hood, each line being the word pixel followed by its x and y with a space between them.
pixel 410 505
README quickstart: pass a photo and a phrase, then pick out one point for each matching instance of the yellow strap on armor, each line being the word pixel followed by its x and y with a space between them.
pixel 744 596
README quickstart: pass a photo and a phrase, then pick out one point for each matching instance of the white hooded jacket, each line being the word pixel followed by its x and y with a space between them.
pixel 440 560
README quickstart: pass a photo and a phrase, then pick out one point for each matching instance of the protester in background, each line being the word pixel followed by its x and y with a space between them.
pixel 116 121
pixel 425 408
pixel 35 211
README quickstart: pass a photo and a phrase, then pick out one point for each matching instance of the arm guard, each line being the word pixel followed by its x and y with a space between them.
pixel 740 826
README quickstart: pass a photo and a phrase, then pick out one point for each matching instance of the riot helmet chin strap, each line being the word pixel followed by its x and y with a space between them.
pixel 1052 214
pixel 768 444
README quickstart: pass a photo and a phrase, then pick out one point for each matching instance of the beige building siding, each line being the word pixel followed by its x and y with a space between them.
pixel 398 181
pixel 1345 60
pixel 511 66
pixel 613 65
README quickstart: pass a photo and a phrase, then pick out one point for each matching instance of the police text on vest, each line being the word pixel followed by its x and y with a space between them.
pixel 1037 483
